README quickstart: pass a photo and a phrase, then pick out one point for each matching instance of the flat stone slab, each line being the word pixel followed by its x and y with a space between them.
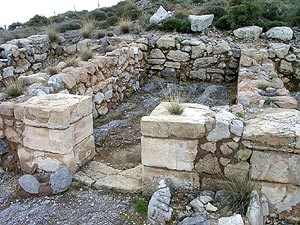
pixel 274 129
pixel 192 123
pixel 99 175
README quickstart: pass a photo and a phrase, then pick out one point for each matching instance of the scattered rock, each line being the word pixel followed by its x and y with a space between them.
pixel 248 33
pixel 29 184
pixel 199 23
pixel 61 179
pixel 160 16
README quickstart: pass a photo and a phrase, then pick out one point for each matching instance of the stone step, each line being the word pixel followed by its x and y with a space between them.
pixel 99 175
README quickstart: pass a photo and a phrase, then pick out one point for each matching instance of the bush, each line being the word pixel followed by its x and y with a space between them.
pixel 68 25
pixel 128 10
pixel 16 34
pixel 125 25
pixel 98 15
pixel 224 23
pixel 53 35
pixel 15 25
pixel 112 21
pixel 272 11
pixel 86 55
pixel 238 194
pixel 175 24
pixel 218 11
pixel 87 27
pixel 37 21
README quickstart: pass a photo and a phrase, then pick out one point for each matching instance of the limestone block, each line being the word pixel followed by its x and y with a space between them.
pixel 287 102
pixel 160 15
pixel 12 135
pixel 55 111
pixel 84 151
pixel 221 47
pixel 166 42
pixel 204 62
pixel 175 65
pixel 237 170
pixel 156 54
pixel 178 56
pixel 83 128
pixel 199 23
pixel 208 164
pixel 198 74
pixel 191 124
pixel 286 67
pixel 169 153
pixel 49 140
pixel 198 50
pixel 7 109
pixel 280 33
pixel 273 129
pixel 248 33
pixel 281 50
pixel 209 146
pixel 275 167
pixel 181 179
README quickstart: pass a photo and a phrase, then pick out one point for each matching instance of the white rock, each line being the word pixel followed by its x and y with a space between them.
pixel 280 33
pixel 232 220
pixel 205 199
pixel 248 33
pixel 254 211
pixel 199 23
pixel 210 208
pixel 237 127
pixel 160 16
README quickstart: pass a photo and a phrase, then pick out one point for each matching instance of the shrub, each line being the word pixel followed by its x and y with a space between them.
pixel 111 21
pixel 238 194
pixel 98 15
pixel 270 100
pixel 86 55
pixel 13 90
pixel 51 70
pixel 72 62
pixel 87 27
pixel 223 23
pixel 37 21
pixel 15 25
pixel 218 11
pixel 179 25
pixel 68 25
pixel 53 35
pixel 175 106
pixel 263 86
pixel 125 25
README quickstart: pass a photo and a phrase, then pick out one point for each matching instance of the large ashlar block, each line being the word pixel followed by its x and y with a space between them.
pixel 49 162
pixel 169 153
pixel 192 123
pixel 181 179
pixel 274 129
pixel 55 111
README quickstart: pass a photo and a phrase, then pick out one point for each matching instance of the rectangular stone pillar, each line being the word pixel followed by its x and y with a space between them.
pixel 57 129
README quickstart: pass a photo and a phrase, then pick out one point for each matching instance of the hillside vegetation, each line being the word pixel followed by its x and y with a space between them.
pixel 133 16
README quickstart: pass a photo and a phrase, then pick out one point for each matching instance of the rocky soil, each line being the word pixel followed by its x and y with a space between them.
pixel 117 138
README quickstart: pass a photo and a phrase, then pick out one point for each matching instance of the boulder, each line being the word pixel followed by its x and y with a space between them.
pixel 281 50
pixel 61 179
pixel 248 33
pixel 29 184
pixel 199 23
pixel 280 33
pixel 160 16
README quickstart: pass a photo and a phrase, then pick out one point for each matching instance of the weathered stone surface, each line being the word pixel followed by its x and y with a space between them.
pixel 169 153
pixel 280 33
pixel 287 102
pixel 156 54
pixel 221 47
pixel 237 127
pixel 178 56
pixel 248 33
pixel 3 147
pixel 254 211
pixel 8 72
pixel 29 184
pixel 166 42
pixel 191 124
pixel 198 74
pixel 204 62
pixel 280 49
pixel 159 209
pixel 273 128
pixel 195 219
pixel 199 23
pixel 198 50
pixel 209 146
pixel 160 15
pixel 208 164
pixel 175 65
pixel 240 169
pixel 286 67
pixel 61 179
pixel 56 82
pixel 232 220
pixel 221 131
pixel 181 179
pixel 7 109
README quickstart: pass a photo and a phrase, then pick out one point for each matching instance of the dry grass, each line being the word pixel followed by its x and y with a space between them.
pixel 72 62
pixel 86 55
pixel 51 70
pixel 87 27
pixel 174 99
pixel 12 88
pixel 125 25
pixel 53 35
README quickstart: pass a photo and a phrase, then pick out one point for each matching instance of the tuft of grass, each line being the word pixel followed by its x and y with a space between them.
pixel 263 86
pixel 238 194
pixel 270 100
pixel 125 25
pixel 87 27
pixel 51 70
pixel 86 55
pixel 53 35
pixel 141 205
pixel 13 90
pixel 175 106
pixel 72 62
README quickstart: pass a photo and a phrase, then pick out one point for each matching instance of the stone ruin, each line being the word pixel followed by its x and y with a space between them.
pixel 195 149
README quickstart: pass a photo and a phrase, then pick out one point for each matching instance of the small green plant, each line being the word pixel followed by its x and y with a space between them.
pixel 87 27
pixel 238 194
pixel 53 35
pixel 72 62
pixel 51 70
pixel 272 76
pixel 141 205
pixel 174 99
pixel 125 25
pixel 263 86
pixel 13 90
pixel 86 55
pixel 270 100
